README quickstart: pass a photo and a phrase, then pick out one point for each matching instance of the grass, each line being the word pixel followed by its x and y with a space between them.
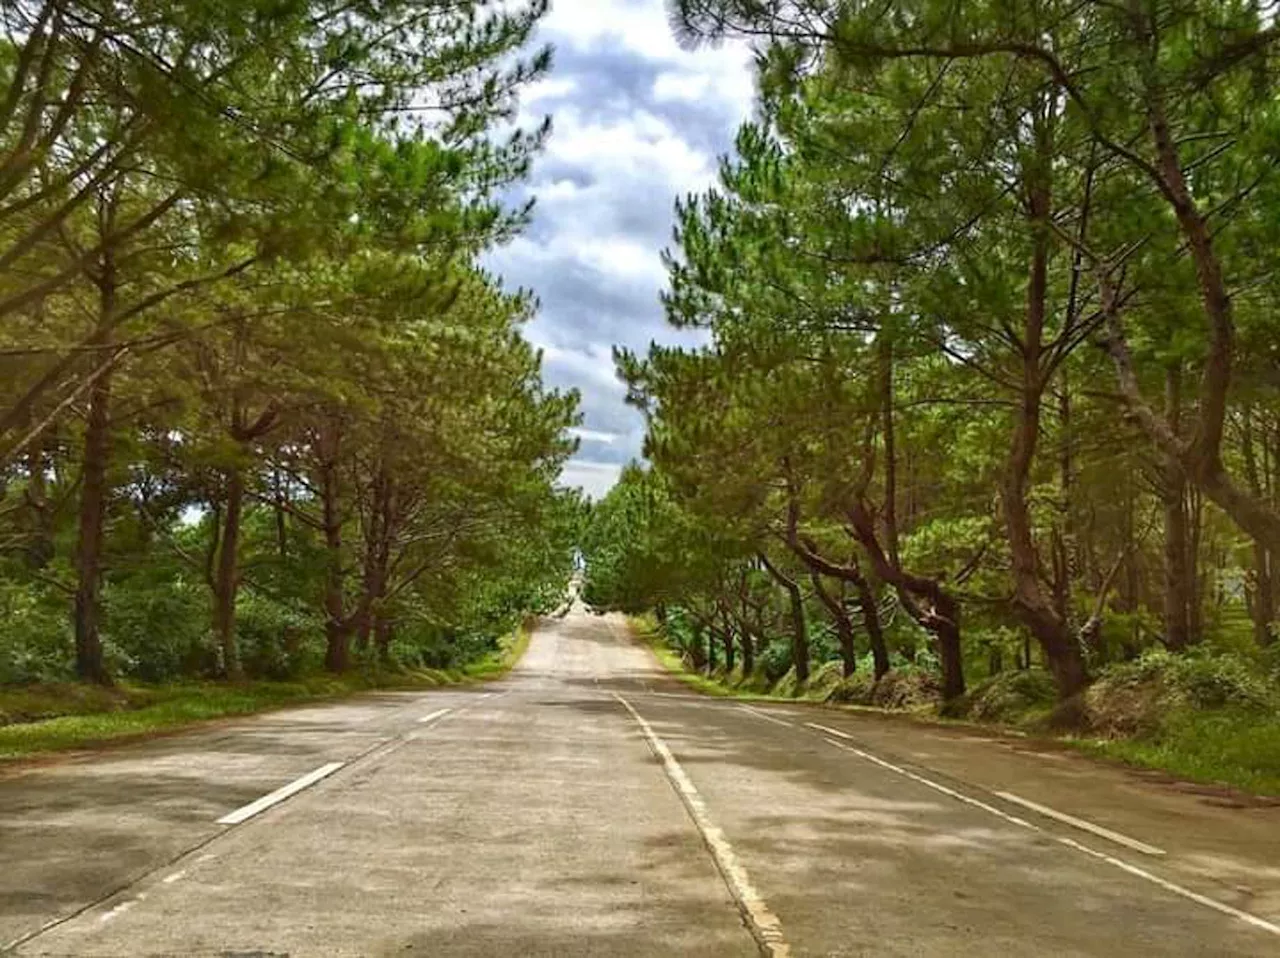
pixel 1231 747
pixel 647 631
pixel 56 717
pixel 511 649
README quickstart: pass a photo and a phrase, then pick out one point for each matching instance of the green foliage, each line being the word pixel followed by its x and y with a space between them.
pixel 1238 748
pixel 1019 697
pixel 1135 696
pixel 261 407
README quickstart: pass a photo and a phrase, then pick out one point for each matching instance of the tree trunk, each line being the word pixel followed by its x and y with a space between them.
pixel 884 343
pixel 941 617
pixel 840 618
pixel 90 665
pixel 1036 610
pixel 377 558
pixel 875 630
pixel 40 549
pixel 799 630
pixel 726 639
pixel 1201 455
pixel 747 643
pixel 337 626
pixel 227 582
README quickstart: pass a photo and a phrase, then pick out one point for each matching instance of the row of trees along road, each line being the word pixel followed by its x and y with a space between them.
pixel 254 387
pixel 993 354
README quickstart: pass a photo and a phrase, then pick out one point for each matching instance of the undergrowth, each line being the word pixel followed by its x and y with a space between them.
pixel 55 716
pixel 1205 716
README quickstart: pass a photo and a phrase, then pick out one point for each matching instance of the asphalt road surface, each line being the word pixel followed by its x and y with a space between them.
pixel 588 805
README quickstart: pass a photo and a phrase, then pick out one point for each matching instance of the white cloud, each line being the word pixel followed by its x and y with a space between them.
pixel 638 122
pixel 593 364
pixel 593 478
pixel 594 435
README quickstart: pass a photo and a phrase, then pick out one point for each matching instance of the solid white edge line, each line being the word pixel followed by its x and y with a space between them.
pixel 1176 889
pixel 433 716
pixel 766 716
pixel 760 920
pixel 280 794
pixel 1081 824
pixel 1244 916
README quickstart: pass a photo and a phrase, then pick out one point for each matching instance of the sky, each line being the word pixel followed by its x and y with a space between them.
pixel 637 123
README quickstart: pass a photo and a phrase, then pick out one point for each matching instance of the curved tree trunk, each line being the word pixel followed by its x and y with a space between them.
pixel 799 630
pixel 1037 610
pixel 840 618
pixel 875 630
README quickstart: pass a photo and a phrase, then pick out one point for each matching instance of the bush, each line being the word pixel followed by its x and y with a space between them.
pixel 826 680
pixel 158 632
pixel 775 660
pixel 276 641
pixel 906 689
pixel 1134 698
pixel 1010 697
pixel 787 686
pixel 36 643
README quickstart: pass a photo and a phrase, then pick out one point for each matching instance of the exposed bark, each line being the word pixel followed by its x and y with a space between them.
pixel 379 531
pixel 884 344
pixel 337 625
pixel 40 544
pixel 840 618
pixel 1037 611
pixel 726 639
pixel 279 506
pixel 227 577
pixel 923 598
pixel 90 665
pixel 875 629
pixel 747 642
pixel 1201 455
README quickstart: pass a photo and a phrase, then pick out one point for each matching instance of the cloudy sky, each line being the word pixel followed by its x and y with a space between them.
pixel 638 122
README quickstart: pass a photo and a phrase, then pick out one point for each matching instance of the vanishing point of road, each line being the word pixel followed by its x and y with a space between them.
pixel 589 805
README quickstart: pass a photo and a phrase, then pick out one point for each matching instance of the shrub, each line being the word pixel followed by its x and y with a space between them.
pixel 825 680
pixel 787 686
pixel 1133 698
pixel 1010 696
pixel 906 689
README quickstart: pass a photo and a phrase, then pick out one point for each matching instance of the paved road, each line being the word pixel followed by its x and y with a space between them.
pixel 587 806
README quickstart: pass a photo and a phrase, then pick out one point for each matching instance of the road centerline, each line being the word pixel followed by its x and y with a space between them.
pixel 246 812
pixel 760 920
pixel 766 716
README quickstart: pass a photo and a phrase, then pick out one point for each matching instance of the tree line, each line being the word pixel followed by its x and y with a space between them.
pixel 260 404
pixel 992 366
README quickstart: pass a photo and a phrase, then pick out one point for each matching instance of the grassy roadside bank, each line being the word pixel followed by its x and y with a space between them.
pixel 55 717
pixel 1139 721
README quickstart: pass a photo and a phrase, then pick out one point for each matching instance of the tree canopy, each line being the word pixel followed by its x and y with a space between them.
pixel 260 405
pixel 990 292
